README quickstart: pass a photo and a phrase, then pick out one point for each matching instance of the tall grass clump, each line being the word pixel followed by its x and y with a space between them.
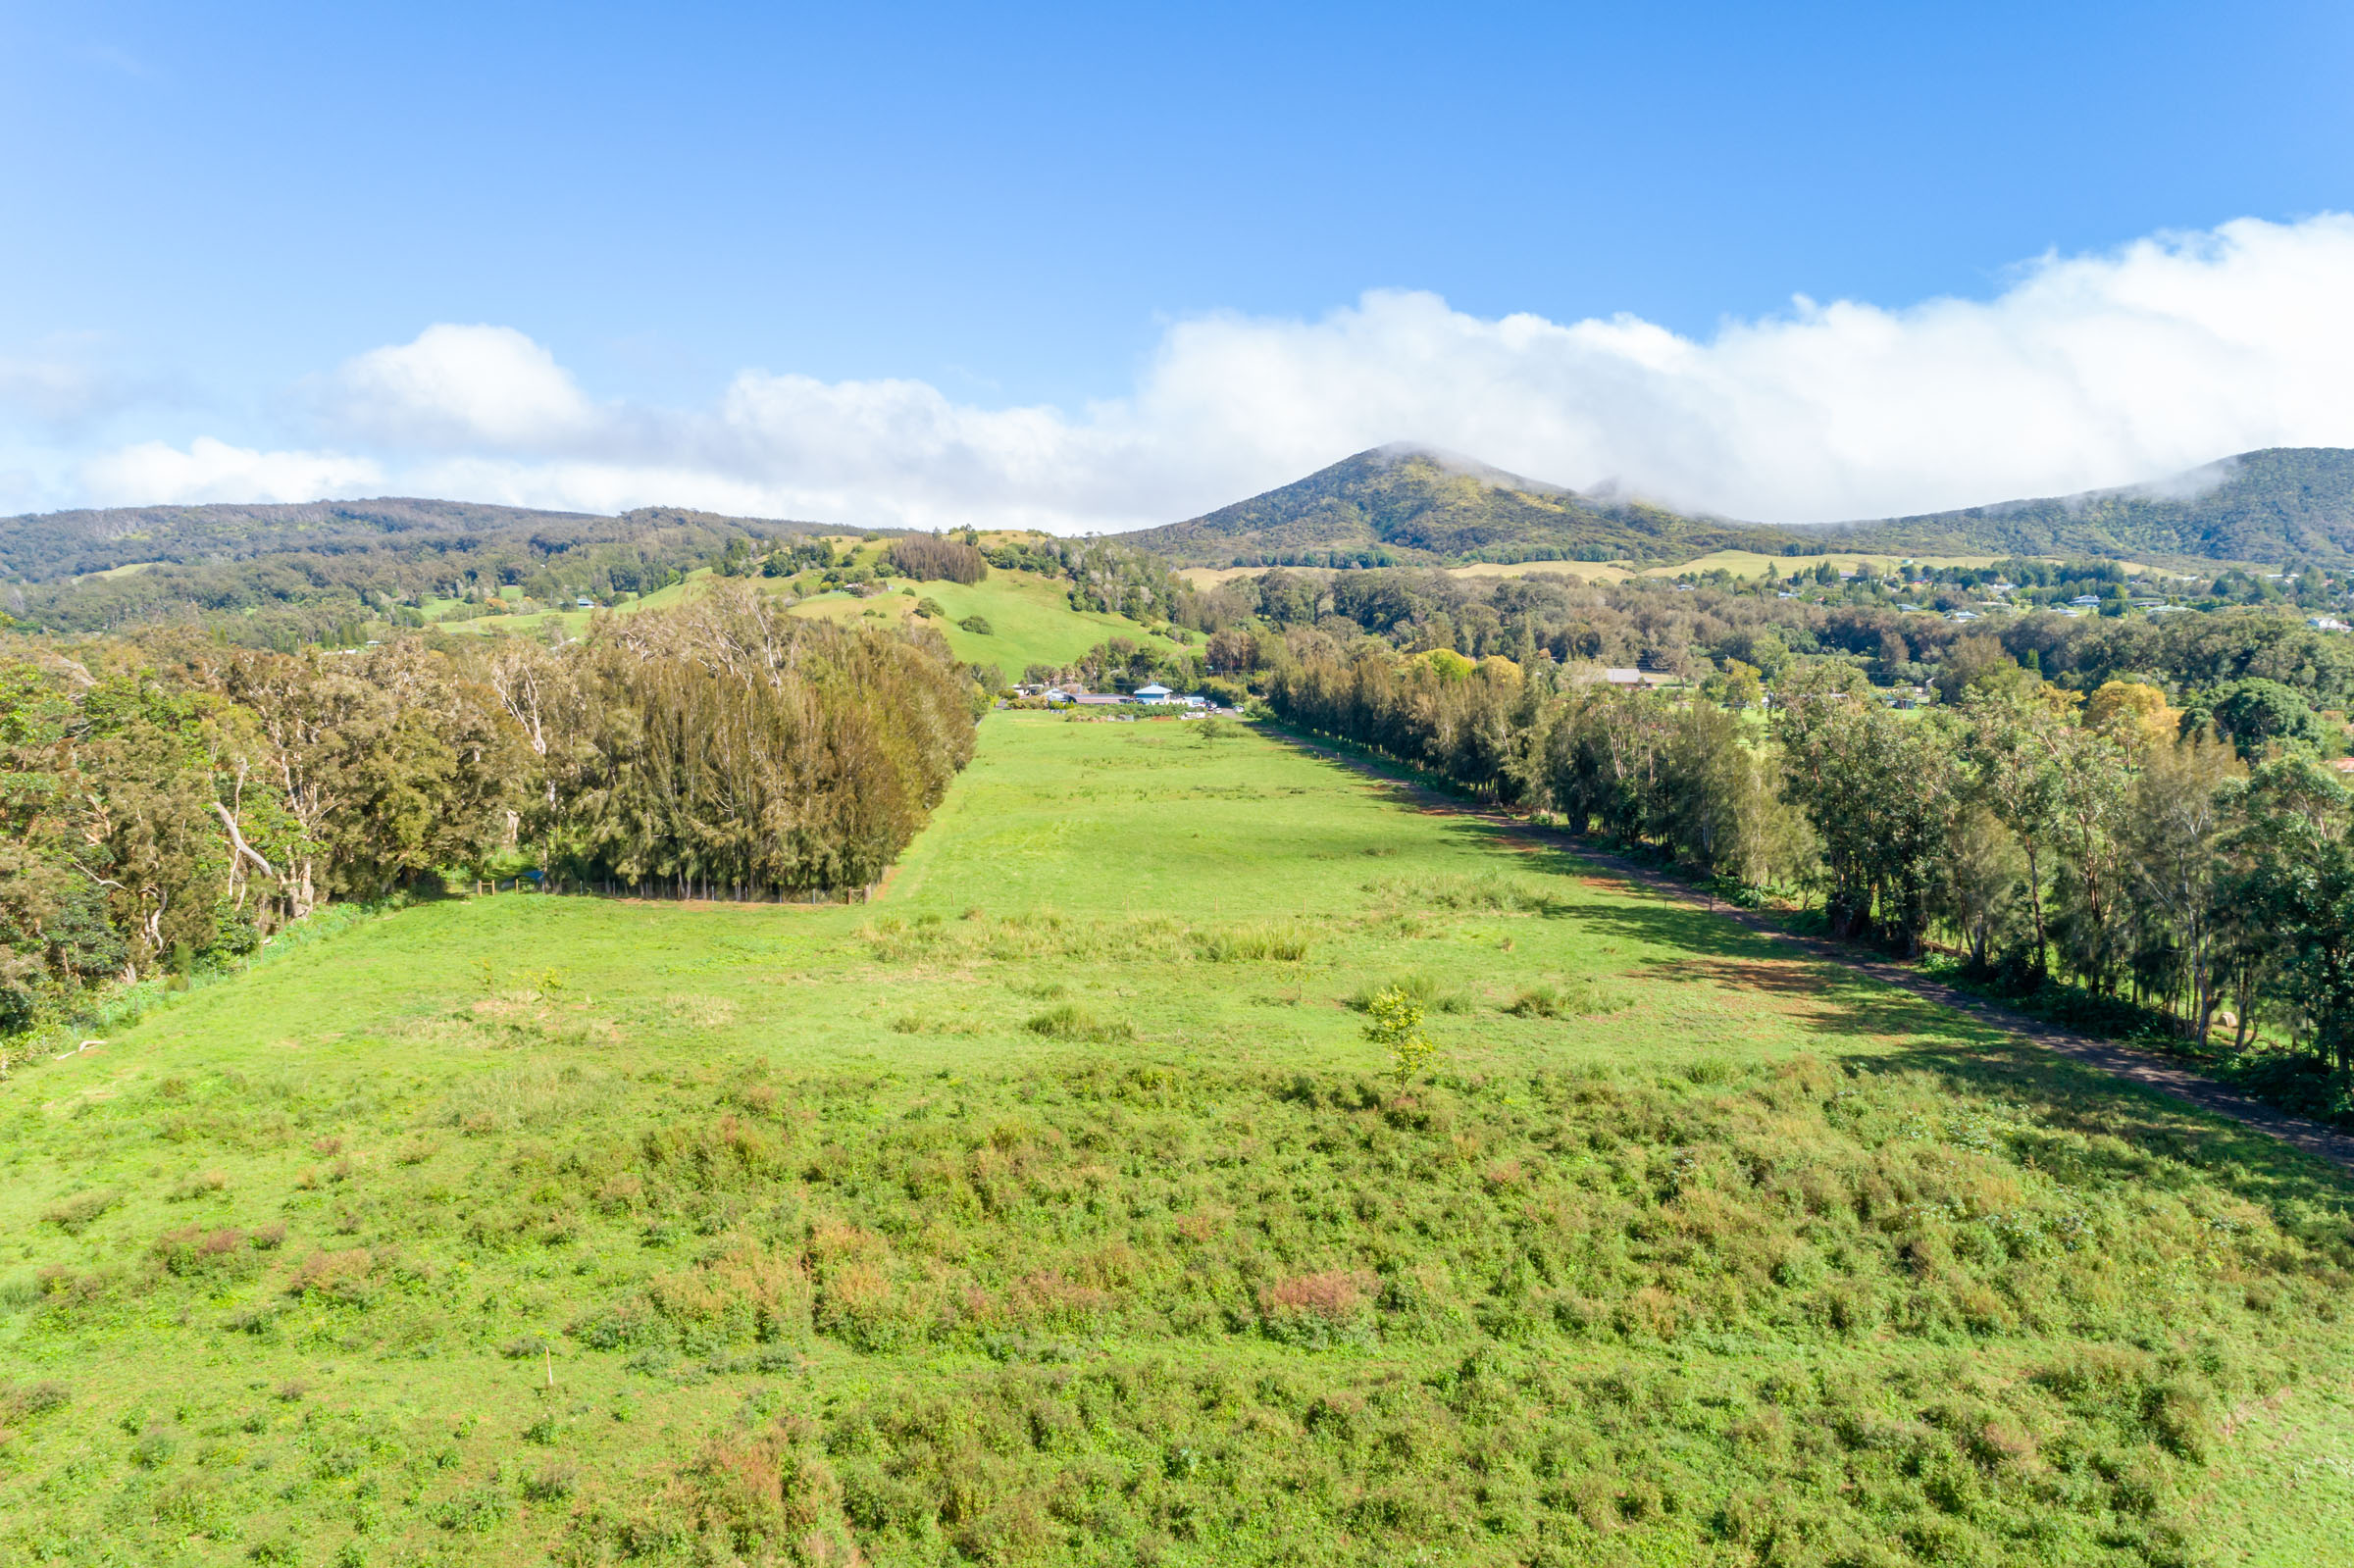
pixel 1070 1021
pixel 1577 998
pixel 1423 989
pixel 1285 944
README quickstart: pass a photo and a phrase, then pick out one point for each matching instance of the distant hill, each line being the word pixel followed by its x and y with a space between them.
pixel 41 547
pixel 2283 504
pixel 1409 504
pixel 1415 504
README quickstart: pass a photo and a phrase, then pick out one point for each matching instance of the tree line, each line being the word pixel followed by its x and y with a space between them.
pixel 2108 842
pixel 171 801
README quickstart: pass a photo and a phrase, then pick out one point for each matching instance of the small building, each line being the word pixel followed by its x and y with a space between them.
pixel 585 603
pixel 2086 600
pixel 1154 692
pixel 2324 623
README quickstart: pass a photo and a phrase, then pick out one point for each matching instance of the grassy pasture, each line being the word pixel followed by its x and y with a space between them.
pixel 1029 619
pixel 1053 1208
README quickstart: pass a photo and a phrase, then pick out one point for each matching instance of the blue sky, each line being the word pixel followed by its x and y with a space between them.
pixel 216 211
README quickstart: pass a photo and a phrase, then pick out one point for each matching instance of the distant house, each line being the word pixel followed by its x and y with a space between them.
pixel 2324 623
pixel 2086 600
pixel 585 603
pixel 1156 693
pixel 1099 700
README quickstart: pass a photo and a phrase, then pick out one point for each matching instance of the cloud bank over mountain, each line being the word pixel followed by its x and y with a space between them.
pixel 2081 372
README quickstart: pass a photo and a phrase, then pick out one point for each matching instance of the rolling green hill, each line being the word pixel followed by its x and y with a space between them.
pixel 41 547
pixel 1407 504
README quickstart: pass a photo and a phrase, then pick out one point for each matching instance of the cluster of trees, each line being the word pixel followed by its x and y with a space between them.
pixel 1689 630
pixel 2105 839
pixel 171 800
pixel 929 558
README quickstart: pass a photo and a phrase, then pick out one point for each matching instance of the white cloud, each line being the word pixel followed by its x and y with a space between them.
pixel 54 389
pixel 213 471
pixel 459 387
pixel 2085 371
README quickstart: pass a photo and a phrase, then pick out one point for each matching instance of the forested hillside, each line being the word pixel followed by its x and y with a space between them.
pixel 2280 505
pixel 341 573
pixel 1402 505
pixel 1398 504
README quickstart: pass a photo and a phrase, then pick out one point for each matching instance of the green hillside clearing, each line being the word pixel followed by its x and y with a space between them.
pixel 1056 1209
pixel 1029 619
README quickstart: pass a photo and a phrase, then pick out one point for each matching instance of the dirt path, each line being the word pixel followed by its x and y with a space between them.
pixel 2134 1065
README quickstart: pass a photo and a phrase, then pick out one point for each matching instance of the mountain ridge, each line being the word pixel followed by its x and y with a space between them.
pixel 1407 503
pixel 45 546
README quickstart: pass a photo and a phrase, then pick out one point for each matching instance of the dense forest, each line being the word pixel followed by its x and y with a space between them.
pixel 170 800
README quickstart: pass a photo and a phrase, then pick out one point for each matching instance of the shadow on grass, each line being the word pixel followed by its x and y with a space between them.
pixel 2132 1132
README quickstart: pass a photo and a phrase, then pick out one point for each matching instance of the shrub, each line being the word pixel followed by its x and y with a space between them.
pixel 1314 1310
pixel 341 1277
pixel 978 625
pixel 75 1214
pixel 196 1252
pixel 1394 1021
pixel 929 608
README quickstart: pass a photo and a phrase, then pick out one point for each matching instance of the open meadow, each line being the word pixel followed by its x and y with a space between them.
pixel 1026 618
pixel 1055 1208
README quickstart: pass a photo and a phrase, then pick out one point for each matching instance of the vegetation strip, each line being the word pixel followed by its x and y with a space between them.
pixel 2121 1061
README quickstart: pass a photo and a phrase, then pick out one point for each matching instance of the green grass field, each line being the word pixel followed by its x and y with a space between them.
pixel 1030 617
pixel 574 622
pixel 1055 1208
